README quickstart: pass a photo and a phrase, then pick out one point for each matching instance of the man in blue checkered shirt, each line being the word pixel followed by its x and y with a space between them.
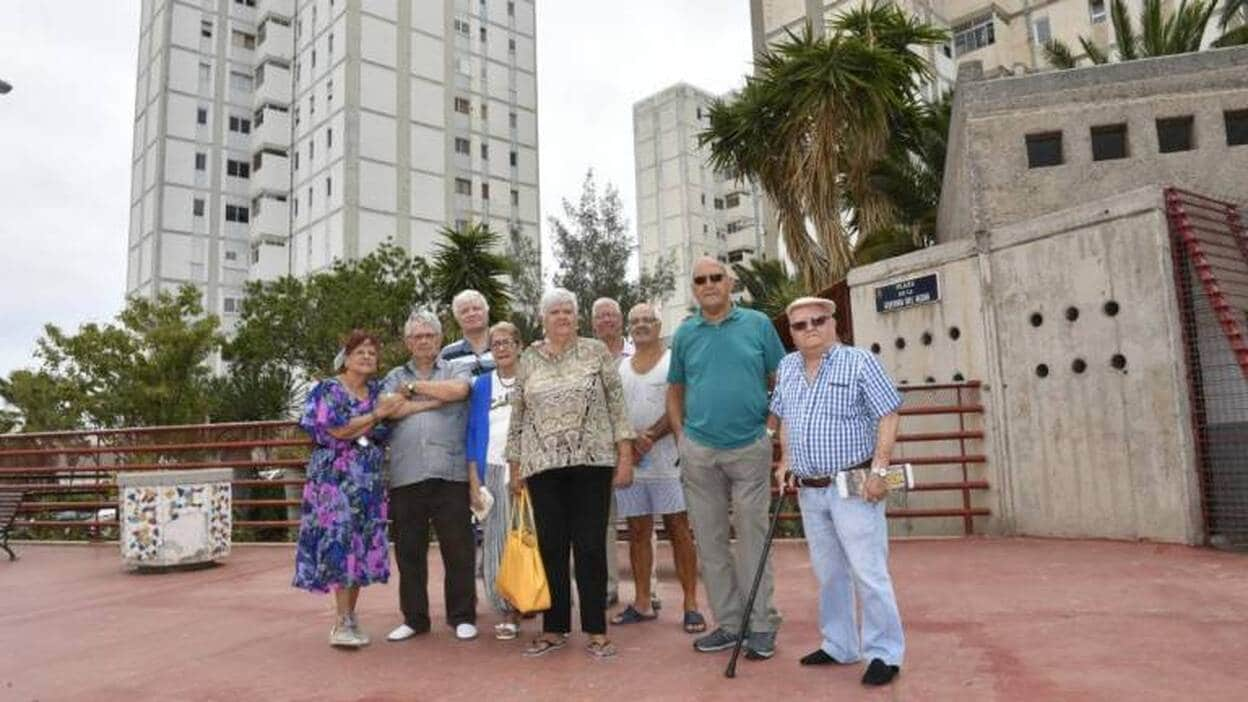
pixel 838 412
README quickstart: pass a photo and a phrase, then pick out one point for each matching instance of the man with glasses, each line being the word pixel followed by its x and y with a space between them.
pixel 656 486
pixel 722 361
pixel 838 414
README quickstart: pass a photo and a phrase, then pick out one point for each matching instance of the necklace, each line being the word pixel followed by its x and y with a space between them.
pixel 507 382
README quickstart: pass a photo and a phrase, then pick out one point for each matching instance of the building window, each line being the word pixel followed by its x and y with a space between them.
pixel 295 206
pixel 973 35
pixel 205 29
pixel 515 197
pixel 514 158
pixel 311 149
pixel 231 256
pixel 241 82
pixel 1041 31
pixel 1109 142
pixel 201 162
pixel 461 224
pixel 329 137
pixel 1096 10
pixel 201 115
pixel 329 90
pixel 237 213
pixel 197 207
pixel 485 191
pixel 296 159
pixel 511 45
pixel 731 201
pixel 461 26
pixel 485 152
pixel 230 304
pixel 511 9
pixel 483 34
pixel 311 104
pixel 1044 150
pixel 242 125
pixel 1236 127
pixel 462 146
pixel 511 119
pixel 719 203
pixel 330 38
pixel 314 58
pixel 238 169
pixel 248 3
pixel 329 187
pixel 311 199
pixel 242 40
pixel 1174 134
pixel 462 105
pixel 485 111
pixel 463 186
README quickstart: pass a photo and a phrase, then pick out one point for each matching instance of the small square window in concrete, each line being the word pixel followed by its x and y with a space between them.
pixel 1236 127
pixel 1111 308
pixel 1072 313
pixel 1044 150
pixel 1174 134
pixel 1109 142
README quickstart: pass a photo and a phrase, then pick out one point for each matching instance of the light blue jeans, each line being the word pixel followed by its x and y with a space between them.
pixel 848 540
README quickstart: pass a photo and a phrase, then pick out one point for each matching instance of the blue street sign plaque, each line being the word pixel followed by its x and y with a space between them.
pixel 905 293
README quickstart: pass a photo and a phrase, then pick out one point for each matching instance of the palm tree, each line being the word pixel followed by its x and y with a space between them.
pixel 469 258
pixel 769 285
pixel 1161 33
pixel 811 125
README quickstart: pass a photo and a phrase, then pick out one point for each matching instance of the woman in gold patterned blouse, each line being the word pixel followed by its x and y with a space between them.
pixel 570 443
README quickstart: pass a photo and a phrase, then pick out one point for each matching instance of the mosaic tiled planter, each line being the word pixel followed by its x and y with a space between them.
pixel 175 517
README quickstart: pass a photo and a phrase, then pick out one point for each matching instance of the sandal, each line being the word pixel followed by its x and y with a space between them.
pixel 506 631
pixel 630 615
pixel 601 649
pixel 540 646
pixel 694 622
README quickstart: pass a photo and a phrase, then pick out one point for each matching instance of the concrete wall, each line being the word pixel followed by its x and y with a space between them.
pixel 1099 453
pixel 988 182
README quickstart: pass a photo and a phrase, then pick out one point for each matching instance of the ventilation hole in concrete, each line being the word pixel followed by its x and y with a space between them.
pixel 900 343
pixel 1079 365
pixel 1036 319
pixel 954 333
pixel 929 380
pixel 926 338
pixel 1111 308
pixel 957 378
pixel 1072 313
pixel 1042 371
pixel 1119 362
pixel 904 382
pixel 875 348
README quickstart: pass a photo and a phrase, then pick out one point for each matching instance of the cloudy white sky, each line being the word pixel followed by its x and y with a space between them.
pixel 65 131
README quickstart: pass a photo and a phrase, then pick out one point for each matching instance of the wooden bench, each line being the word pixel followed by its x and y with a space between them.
pixel 9 502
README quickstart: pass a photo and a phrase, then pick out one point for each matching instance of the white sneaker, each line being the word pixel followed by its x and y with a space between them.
pixel 343 637
pixel 401 632
pixel 465 632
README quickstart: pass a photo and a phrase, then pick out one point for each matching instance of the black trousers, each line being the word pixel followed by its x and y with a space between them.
pixel 444 504
pixel 570 510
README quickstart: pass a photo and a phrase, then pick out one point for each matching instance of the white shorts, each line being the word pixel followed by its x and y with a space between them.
pixel 650 497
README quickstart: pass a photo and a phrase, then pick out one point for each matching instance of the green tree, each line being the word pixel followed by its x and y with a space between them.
pixel 295 324
pixel 149 369
pixel 813 123
pixel 526 284
pixel 769 285
pixel 593 249
pixel 471 258
pixel 1162 32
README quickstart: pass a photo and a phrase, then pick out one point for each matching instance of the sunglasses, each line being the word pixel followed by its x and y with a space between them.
pixel 713 277
pixel 812 323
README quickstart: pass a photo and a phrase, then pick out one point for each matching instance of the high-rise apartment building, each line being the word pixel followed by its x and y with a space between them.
pixel 684 208
pixel 275 136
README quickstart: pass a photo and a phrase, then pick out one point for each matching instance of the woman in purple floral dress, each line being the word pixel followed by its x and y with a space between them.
pixel 342 532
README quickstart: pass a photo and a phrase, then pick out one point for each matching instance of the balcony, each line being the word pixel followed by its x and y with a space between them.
pixel 269 260
pixel 270 220
pixel 281 8
pixel 270 129
pixel 274 41
pixel 270 173
pixel 272 84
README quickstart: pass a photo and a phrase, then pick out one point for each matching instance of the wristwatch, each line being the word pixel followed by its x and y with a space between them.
pixel 879 472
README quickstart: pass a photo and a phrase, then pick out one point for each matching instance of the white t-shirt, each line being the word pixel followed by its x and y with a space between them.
pixel 646 396
pixel 500 418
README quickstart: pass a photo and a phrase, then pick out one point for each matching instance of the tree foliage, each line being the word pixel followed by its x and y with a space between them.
pixel 1163 30
pixel 768 284
pixel 593 249
pixel 471 258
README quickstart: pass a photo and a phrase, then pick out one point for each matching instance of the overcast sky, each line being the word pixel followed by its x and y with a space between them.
pixel 65 131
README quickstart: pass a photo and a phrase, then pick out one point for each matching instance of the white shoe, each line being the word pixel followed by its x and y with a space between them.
pixel 343 637
pixel 465 632
pixel 401 632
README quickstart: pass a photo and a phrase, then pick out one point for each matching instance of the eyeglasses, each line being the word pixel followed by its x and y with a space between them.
pixel 502 343
pixel 713 277
pixel 812 323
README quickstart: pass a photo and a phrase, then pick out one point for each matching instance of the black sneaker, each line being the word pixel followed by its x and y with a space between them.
pixel 717 640
pixel 760 645
pixel 818 657
pixel 879 673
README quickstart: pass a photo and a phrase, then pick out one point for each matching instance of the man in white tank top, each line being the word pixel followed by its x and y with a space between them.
pixel 656 488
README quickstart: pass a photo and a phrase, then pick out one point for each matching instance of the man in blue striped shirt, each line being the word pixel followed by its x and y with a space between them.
pixel 838 412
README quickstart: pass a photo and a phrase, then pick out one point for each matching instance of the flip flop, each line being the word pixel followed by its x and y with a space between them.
pixel 694 622
pixel 630 615
pixel 540 646
pixel 605 649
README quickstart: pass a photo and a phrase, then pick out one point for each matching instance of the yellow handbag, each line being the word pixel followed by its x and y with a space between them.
pixel 521 576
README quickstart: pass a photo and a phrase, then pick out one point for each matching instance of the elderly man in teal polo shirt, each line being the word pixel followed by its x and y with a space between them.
pixel 722 363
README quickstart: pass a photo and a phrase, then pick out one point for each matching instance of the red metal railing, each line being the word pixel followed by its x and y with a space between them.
pixel 69 477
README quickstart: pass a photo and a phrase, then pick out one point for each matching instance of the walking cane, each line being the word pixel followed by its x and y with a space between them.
pixel 731 670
